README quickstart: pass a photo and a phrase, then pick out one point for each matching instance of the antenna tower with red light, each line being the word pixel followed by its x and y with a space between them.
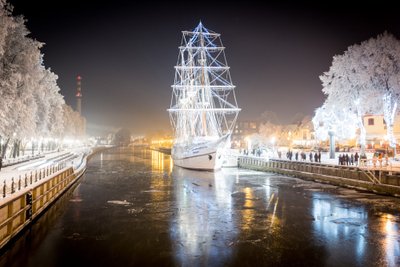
pixel 78 94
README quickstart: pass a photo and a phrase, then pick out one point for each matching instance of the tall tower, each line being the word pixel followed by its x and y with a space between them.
pixel 78 95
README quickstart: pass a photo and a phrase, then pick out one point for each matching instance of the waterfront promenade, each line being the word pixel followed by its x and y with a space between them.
pixel 14 177
pixel 377 178
pixel 134 208
pixel 391 165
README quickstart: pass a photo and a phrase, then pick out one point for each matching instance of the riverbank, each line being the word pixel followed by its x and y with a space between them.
pixel 165 150
pixel 380 181
pixel 134 202
pixel 26 199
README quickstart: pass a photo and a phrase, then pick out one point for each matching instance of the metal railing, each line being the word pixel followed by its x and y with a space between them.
pixel 12 161
pixel 9 187
pixel 366 173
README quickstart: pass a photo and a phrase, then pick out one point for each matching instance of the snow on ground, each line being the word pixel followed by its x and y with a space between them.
pixel 70 157
pixel 393 165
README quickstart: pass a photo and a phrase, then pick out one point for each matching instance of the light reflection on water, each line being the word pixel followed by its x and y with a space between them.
pixel 391 246
pixel 207 222
pixel 353 230
pixel 248 211
pixel 233 217
pixel 339 224
pixel 204 223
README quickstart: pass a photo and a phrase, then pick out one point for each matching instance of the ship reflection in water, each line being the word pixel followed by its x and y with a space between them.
pixel 204 223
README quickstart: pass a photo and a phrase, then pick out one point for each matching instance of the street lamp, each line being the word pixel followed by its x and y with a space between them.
pixel 248 141
pixel 273 143
pixel 33 148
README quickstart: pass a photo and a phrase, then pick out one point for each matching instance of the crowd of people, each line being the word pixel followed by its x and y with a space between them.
pixel 316 157
pixel 378 159
pixel 345 159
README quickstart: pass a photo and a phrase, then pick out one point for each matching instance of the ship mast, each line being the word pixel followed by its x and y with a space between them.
pixel 203 102
pixel 204 82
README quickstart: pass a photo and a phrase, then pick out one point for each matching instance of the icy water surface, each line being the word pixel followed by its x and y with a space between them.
pixel 131 208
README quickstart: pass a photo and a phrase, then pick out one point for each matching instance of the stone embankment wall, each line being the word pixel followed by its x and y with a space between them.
pixel 379 181
pixel 20 208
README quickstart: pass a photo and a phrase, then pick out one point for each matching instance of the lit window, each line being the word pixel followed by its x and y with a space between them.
pixel 370 121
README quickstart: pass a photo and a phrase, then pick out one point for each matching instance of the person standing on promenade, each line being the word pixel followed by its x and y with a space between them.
pixel 356 159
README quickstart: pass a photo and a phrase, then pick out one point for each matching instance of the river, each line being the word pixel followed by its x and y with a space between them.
pixel 133 208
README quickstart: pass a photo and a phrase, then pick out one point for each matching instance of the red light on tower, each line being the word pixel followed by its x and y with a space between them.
pixel 78 94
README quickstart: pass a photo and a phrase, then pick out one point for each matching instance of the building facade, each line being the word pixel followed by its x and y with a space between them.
pixel 242 130
pixel 376 130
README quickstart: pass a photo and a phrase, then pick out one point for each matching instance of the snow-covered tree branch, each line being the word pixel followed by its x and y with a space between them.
pixel 364 80
pixel 31 105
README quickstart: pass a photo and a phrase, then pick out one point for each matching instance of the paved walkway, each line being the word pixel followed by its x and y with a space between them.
pixel 21 173
pixel 392 165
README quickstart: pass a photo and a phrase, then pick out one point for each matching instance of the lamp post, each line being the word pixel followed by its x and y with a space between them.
pixel 248 142
pixel 331 144
pixel 273 140
pixel 15 145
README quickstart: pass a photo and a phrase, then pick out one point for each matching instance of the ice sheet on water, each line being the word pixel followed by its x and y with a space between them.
pixel 119 202
pixel 349 221
pixel 238 194
pixel 152 191
pixel 75 200
pixel 135 211
pixel 245 172
pixel 313 185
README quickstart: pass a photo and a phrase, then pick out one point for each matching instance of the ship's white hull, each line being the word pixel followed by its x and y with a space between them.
pixel 201 156
pixel 206 162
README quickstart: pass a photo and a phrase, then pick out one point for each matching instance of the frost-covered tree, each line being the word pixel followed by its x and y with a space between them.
pixel 7 95
pixel 331 118
pixel 74 123
pixel 344 86
pixel 381 62
pixel 17 79
pixel 30 102
pixel 365 79
pixel 49 102
pixel 56 101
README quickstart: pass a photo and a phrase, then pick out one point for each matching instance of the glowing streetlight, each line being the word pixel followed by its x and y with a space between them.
pixel 273 140
pixel 248 141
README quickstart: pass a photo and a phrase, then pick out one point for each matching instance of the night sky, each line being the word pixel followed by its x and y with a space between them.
pixel 125 52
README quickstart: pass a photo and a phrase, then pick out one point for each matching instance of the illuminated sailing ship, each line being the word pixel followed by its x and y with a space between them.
pixel 203 107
